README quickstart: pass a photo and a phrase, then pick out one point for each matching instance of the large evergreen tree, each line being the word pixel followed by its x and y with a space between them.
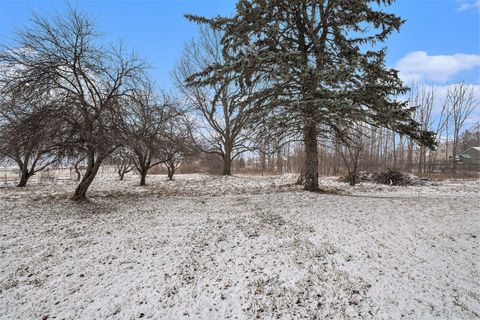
pixel 322 64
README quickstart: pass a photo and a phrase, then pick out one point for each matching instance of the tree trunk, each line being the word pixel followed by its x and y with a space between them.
pixel 23 178
pixel 289 163
pixel 372 147
pixel 311 156
pixel 352 178
pixel 455 149
pixel 227 164
pixel 79 175
pixel 420 159
pixel 301 177
pixel 263 162
pixel 88 177
pixel 143 176
pixel 410 156
pixel 170 173
pixel 279 162
pixel 121 174
pixel 77 171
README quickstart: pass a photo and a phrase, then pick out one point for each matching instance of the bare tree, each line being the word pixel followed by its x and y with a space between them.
pixel 471 138
pixel 145 118
pixel 222 115
pixel 177 145
pixel 462 102
pixel 442 121
pixel 122 160
pixel 350 144
pixel 28 135
pixel 422 98
pixel 76 158
pixel 61 56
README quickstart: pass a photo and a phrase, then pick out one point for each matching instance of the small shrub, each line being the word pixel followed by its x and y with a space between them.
pixel 398 178
pixel 389 177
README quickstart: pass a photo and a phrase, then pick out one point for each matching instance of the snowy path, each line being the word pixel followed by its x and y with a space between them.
pixel 240 248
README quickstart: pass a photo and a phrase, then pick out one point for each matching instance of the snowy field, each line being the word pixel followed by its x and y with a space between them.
pixel 206 247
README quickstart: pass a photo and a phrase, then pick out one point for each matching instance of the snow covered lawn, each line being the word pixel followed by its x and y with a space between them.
pixel 206 247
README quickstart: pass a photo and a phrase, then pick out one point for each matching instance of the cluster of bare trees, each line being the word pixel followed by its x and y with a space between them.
pixel 445 115
pixel 68 97
pixel 289 94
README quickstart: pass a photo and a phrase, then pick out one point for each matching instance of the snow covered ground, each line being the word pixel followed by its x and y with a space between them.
pixel 205 247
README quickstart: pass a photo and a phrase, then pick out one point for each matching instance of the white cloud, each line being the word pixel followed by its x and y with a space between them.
pixel 469 5
pixel 419 65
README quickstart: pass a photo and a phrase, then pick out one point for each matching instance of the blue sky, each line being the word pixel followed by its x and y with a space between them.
pixel 439 43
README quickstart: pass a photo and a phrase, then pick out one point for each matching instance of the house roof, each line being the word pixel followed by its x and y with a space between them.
pixel 465 153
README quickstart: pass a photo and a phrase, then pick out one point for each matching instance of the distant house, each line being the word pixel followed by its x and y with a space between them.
pixel 471 156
